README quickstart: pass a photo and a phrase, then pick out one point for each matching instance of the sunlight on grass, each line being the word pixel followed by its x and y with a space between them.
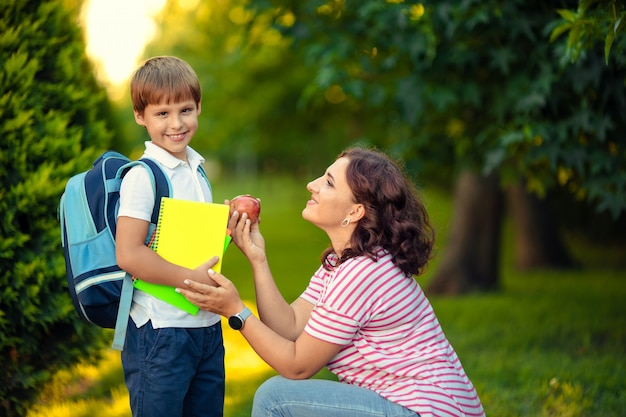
pixel 242 363
pixel 79 391
pixel 244 369
pixel 564 400
pixel 114 406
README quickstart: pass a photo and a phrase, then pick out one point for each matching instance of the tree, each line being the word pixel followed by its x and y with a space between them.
pixel 52 123
pixel 477 88
pixel 250 86
pixel 592 21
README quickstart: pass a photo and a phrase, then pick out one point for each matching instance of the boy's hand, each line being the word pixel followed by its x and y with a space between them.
pixel 200 272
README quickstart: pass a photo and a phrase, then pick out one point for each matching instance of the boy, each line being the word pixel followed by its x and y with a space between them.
pixel 173 361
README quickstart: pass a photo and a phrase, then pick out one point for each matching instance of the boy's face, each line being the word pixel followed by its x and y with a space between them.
pixel 171 126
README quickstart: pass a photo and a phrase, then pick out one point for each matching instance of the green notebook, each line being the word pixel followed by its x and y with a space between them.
pixel 188 233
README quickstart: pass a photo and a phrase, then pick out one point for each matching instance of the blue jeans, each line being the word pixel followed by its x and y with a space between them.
pixel 174 372
pixel 282 397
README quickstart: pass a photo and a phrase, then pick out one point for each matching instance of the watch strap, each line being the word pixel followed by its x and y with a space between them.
pixel 244 314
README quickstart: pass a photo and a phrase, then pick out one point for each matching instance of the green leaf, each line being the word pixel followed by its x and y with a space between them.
pixel 573 41
pixel 583 5
pixel 610 37
pixel 568 15
pixel 493 160
pixel 559 30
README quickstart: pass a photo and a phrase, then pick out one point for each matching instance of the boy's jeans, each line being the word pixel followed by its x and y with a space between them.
pixel 174 372
pixel 281 397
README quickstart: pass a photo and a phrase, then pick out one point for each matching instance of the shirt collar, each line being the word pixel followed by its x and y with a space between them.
pixel 170 161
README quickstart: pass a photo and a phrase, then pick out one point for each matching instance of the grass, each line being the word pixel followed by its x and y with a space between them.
pixel 551 343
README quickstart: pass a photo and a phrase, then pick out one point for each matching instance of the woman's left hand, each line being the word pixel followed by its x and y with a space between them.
pixel 222 299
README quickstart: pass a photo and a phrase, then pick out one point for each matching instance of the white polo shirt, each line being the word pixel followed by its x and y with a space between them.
pixel 137 200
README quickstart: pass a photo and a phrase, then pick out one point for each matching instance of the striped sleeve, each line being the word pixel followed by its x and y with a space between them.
pixel 331 326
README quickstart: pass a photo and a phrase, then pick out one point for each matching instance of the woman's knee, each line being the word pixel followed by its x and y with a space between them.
pixel 269 388
pixel 264 397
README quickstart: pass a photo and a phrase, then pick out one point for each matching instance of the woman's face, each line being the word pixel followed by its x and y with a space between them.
pixel 331 198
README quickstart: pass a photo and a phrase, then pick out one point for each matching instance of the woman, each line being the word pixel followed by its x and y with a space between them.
pixel 362 315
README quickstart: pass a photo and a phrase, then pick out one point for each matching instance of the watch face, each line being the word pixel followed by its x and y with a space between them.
pixel 235 322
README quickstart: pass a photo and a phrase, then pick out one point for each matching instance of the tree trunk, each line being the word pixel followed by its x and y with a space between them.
pixel 471 260
pixel 538 243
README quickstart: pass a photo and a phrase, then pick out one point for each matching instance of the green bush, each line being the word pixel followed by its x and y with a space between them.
pixel 51 128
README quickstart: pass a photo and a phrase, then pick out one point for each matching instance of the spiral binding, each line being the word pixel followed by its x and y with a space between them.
pixel 153 243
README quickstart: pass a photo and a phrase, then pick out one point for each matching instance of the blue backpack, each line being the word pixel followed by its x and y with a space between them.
pixel 101 292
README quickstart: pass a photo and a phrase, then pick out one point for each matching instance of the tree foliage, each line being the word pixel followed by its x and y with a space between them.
pixel 592 21
pixel 472 84
pixel 251 82
pixel 51 125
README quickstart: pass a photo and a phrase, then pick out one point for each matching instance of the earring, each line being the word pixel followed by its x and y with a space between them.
pixel 345 222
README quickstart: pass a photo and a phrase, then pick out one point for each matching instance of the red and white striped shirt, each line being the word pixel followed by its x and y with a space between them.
pixel 392 341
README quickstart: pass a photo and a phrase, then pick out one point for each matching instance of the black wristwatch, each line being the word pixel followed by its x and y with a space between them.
pixel 237 321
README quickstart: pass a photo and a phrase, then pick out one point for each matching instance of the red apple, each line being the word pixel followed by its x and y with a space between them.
pixel 246 204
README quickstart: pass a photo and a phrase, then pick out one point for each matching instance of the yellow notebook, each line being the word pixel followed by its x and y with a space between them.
pixel 188 233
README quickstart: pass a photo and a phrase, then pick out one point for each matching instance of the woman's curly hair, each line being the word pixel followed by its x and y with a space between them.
pixel 395 219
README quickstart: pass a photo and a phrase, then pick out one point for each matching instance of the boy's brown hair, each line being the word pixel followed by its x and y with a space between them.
pixel 163 77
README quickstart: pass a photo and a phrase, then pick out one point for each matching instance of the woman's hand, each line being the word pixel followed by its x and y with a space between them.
pixel 247 236
pixel 222 299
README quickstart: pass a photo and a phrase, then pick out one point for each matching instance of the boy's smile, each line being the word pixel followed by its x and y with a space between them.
pixel 171 126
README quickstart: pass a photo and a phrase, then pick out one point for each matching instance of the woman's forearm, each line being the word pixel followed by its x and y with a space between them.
pixel 273 309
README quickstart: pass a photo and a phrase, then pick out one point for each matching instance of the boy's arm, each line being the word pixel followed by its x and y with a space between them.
pixel 139 260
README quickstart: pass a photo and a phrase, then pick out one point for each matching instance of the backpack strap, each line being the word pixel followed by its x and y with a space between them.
pixel 162 188
pixel 206 178
pixel 123 313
